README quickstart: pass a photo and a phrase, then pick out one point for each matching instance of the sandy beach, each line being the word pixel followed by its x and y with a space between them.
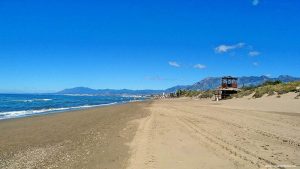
pixel 161 134
pixel 237 133
pixel 93 138
pixel 153 84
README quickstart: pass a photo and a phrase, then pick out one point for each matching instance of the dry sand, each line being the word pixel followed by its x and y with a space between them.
pixel 162 134
pixel 238 133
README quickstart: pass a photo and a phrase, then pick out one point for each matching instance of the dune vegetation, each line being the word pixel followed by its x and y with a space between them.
pixel 194 93
pixel 268 88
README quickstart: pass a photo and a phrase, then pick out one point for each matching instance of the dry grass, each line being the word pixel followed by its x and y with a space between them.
pixel 269 90
pixel 194 93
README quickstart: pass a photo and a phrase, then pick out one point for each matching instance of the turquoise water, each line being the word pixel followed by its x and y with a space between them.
pixel 23 105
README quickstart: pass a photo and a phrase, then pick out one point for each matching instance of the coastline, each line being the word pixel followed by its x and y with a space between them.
pixel 40 112
pixel 163 133
pixel 88 138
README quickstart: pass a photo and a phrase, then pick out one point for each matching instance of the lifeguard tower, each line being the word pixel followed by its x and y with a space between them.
pixel 228 87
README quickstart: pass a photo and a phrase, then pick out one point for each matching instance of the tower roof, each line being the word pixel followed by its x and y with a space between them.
pixel 229 77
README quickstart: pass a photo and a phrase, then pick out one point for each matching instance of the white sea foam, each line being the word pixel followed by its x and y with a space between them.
pixel 43 99
pixel 32 100
pixel 24 113
pixel 23 100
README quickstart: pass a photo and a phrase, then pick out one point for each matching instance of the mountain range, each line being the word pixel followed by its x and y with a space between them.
pixel 106 92
pixel 205 84
pixel 214 82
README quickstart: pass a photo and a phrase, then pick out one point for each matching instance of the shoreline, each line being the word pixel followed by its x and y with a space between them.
pixel 64 109
pixel 90 138
pixel 166 133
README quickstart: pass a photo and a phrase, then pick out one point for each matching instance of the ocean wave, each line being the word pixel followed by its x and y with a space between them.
pixel 32 100
pixel 43 99
pixel 24 113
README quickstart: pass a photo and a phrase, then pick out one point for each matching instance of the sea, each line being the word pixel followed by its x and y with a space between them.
pixel 24 105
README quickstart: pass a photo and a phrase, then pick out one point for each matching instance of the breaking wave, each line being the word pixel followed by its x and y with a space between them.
pixel 24 113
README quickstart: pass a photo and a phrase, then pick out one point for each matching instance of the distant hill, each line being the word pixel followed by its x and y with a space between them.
pixel 78 90
pixel 205 84
pixel 214 82
pixel 175 88
pixel 106 92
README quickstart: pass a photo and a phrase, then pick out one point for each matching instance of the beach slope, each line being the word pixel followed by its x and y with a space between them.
pixel 93 138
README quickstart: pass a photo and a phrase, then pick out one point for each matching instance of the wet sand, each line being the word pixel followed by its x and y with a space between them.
pixel 94 138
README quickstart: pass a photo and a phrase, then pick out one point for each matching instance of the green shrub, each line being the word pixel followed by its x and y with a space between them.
pixel 181 93
pixel 244 93
pixel 258 94
pixel 207 94
pixel 271 93
pixel 260 91
pixel 248 88
pixel 187 93
pixel 271 83
pixel 280 88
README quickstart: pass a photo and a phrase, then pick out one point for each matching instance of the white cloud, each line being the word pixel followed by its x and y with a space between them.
pixel 199 66
pixel 174 64
pixel 226 48
pixel 254 53
pixel 255 2
pixel 255 64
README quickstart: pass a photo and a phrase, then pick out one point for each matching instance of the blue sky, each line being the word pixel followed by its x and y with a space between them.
pixel 151 44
